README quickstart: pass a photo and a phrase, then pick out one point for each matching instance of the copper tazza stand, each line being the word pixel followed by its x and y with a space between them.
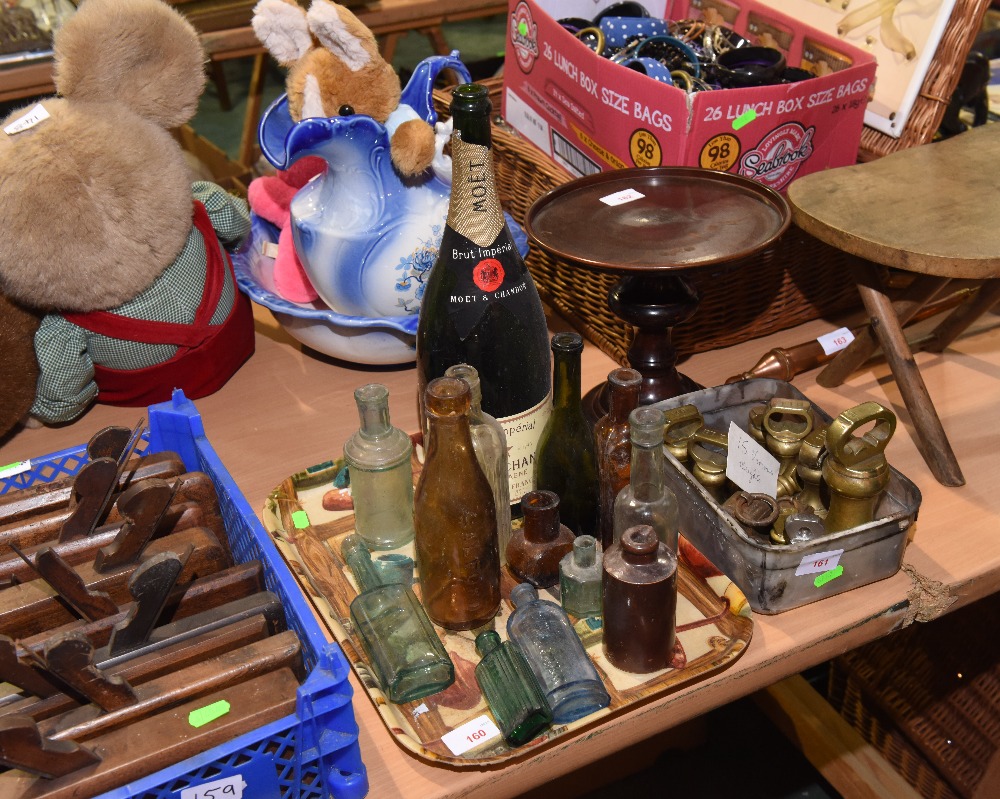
pixel 679 219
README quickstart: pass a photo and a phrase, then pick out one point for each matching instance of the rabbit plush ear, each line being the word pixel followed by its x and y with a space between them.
pixel 282 28
pixel 343 34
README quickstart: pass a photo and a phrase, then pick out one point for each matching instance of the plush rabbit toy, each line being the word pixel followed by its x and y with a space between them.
pixel 334 69
pixel 103 228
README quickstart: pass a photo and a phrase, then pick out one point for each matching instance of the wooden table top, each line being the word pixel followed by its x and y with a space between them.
pixel 288 408
pixel 932 209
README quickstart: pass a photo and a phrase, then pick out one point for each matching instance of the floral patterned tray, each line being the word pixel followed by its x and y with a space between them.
pixel 308 517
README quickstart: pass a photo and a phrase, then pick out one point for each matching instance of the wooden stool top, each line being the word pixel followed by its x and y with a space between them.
pixel 933 209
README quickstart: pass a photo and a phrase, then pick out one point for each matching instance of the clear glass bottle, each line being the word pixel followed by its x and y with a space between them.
pixel 566 461
pixel 543 632
pixel 381 475
pixel 640 601
pixel 580 578
pixel 490 444
pixel 647 499
pixel 511 689
pixel 480 304
pixel 458 560
pixel 614 445
pixel 406 655
pixel 535 550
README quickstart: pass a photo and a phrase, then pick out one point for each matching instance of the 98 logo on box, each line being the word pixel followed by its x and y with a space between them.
pixel 720 153
pixel 645 148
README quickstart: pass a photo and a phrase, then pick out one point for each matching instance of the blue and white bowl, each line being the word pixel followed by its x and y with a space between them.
pixel 359 339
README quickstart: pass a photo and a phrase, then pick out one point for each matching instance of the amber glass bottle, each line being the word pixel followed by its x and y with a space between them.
pixel 566 462
pixel 534 551
pixel 614 445
pixel 480 305
pixel 454 516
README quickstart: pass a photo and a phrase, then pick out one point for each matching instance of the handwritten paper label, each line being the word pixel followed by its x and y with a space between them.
pixel 470 735
pixel 749 465
pixel 835 341
pixel 28 120
pixel 228 788
pixel 819 562
pixel 622 197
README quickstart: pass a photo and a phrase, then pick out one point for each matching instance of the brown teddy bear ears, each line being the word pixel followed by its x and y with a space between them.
pixel 142 53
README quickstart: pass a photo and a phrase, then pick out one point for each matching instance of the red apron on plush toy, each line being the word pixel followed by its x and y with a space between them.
pixel 103 228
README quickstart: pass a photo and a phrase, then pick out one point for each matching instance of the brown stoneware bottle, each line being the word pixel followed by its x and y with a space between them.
pixel 535 550
pixel 614 446
pixel 454 516
pixel 639 602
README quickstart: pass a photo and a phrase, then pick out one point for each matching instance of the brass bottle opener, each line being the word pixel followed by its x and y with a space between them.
pixel 856 469
pixel 681 425
pixel 786 423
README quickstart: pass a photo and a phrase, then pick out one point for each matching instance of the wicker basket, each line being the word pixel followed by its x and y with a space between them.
pixel 796 280
pixel 928 698
pixel 939 84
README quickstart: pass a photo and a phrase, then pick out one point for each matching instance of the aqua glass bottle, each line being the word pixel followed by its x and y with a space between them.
pixel 580 578
pixel 566 461
pixel 543 632
pixel 381 475
pixel 490 444
pixel 647 499
pixel 511 689
pixel 404 651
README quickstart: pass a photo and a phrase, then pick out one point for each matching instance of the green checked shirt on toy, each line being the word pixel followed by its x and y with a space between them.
pixel 67 353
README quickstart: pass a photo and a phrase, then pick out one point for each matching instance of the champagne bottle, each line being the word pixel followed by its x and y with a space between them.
pixel 480 305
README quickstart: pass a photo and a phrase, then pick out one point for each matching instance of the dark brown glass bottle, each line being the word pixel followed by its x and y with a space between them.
pixel 535 550
pixel 614 445
pixel 454 516
pixel 480 305
pixel 640 601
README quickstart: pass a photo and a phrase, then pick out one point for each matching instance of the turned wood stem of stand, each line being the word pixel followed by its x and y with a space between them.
pixel 654 305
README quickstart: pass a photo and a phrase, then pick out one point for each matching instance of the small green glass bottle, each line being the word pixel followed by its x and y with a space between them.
pixel 378 461
pixel 566 461
pixel 580 574
pixel 406 655
pixel 511 689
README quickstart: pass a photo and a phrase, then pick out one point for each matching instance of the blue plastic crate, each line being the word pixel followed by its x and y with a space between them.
pixel 311 754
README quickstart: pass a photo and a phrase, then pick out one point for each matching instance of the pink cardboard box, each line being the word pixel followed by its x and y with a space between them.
pixel 591 115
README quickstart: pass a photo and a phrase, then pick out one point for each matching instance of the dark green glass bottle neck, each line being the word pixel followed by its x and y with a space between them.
pixel 566 383
pixel 471 109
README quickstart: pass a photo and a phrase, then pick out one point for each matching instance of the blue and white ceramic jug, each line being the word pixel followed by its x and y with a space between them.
pixel 365 236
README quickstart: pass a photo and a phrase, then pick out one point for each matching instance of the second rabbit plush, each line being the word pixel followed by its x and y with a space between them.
pixel 334 70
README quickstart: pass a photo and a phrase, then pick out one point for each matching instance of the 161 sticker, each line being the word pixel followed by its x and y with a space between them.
pixel 819 562
pixel 720 153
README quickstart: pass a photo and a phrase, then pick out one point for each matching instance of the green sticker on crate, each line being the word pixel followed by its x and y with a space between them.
pixel 203 715
pixel 300 519
pixel 825 577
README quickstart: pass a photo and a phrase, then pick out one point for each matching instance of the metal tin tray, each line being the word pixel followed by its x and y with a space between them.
pixel 765 572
